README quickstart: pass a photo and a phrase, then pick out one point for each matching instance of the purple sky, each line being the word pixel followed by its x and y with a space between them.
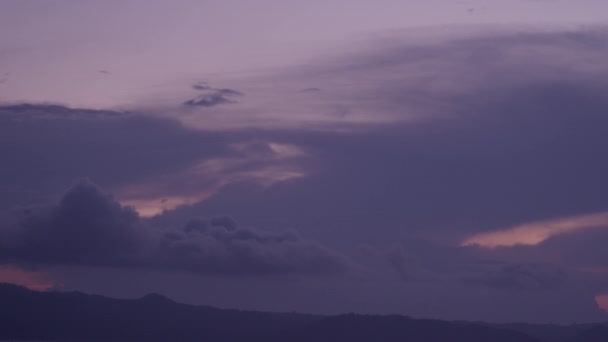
pixel 431 158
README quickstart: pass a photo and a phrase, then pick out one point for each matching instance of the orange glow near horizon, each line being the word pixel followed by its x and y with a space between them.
pixel 532 234
pixel 602 301
pixel 39 281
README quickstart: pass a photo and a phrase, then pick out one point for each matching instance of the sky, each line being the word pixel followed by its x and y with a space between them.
pixel 440 159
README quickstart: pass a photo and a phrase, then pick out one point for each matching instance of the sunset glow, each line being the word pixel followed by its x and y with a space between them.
pixel 602 302
pixel 532 234
pixel 31 279
pixel 434 159
pixel 156 206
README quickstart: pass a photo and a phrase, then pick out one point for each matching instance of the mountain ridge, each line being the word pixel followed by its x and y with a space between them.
pixel 75 316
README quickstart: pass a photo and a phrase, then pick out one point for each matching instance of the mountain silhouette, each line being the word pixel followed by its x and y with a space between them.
pixel 75 316
pixel 595 333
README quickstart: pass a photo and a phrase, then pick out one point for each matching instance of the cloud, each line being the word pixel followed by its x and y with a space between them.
pixel 89 228
pixel 400 78
pixel 507 156
pixel 583 251
pixel 537 232
pixel 522 277
pixel 150 162
pixel 602 302
pixel 201 86
pixel 44 147
pixel 220 246
pixel 310 90
pixel 443 141
pixel 259 162
pixel 229 92
pixel 86 227
pixel 26 111
pixel 212 97
pixel 209 100
pixel 483 133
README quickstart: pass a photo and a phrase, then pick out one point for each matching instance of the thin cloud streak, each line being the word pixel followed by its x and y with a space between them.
pixel 535 233
pixel 258 162
pixel 150 207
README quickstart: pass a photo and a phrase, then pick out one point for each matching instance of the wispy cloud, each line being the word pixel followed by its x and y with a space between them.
pixel 212 97
pixel 536 232
pixel 257 162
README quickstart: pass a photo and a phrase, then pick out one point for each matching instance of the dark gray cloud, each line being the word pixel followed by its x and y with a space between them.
pixel 310 90
pixel 44 147
pixel 89 228
pixel 229 92
pixel 156 161
pixel 219 246
pixel 27 111
pixel 209 100
pixel 212 96
pixel 200 86
pixel 86 227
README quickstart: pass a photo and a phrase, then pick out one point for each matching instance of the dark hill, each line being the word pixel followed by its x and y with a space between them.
pixel 354 327
pixel 74 316
pixel 595 333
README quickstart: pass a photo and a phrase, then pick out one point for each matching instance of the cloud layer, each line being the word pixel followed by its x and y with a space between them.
pixel 419 145
pixel 89 228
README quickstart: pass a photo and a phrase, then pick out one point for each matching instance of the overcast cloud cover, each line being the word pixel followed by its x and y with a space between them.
pixel 439 174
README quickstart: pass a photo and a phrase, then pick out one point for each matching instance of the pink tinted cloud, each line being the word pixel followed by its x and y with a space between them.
pixel 602 301
pixel 534 233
